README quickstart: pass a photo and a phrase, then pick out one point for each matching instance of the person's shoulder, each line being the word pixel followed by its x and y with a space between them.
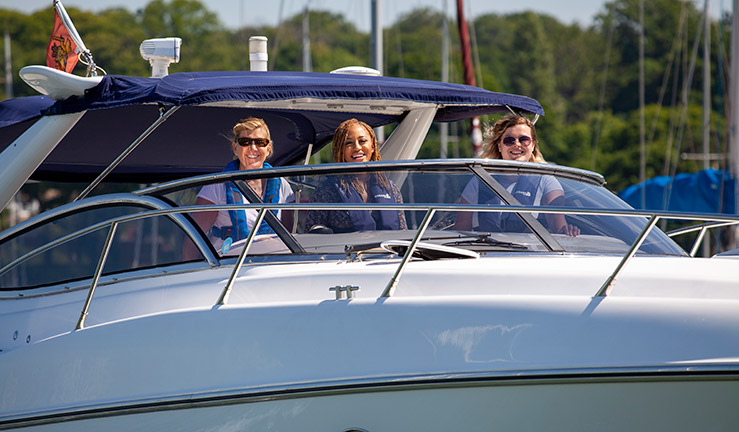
pixel 213 192
pixel 471 188
pixel 550 182
pixel 286 191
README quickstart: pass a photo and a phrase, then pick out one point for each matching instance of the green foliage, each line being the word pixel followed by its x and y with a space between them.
pixel 565 67
pixel 413 34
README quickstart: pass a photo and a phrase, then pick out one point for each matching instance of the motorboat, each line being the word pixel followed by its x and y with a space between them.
pixel 108 325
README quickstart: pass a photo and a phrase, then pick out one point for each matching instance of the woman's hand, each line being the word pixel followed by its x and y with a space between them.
pixel 570 230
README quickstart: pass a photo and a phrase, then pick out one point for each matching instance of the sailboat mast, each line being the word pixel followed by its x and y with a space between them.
pixel 707 104
pixel 706 87
pixel 444 126
pixel 642 122
pixel 469 75
pixel 734 112
pixel 307 61
pixel 376 52
pixel 8 68
pixel 376 39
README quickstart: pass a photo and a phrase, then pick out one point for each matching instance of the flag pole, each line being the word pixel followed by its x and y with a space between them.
pixel 81 48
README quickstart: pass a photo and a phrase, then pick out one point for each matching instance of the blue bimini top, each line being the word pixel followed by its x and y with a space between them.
pixel 301 109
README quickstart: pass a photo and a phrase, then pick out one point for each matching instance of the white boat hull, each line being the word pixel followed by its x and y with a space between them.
pixel 425 360
pixel 577 403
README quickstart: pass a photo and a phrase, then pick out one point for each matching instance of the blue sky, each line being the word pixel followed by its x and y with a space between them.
pixel 234 13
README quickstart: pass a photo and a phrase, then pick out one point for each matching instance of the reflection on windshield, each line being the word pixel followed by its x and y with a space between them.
pixel 329 215
pixel 322 220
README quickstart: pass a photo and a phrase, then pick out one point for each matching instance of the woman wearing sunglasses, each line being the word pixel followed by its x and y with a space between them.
pixel 355 141
pixel 514 138
pixel 251 146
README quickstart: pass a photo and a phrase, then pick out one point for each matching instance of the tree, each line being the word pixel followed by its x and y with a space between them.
pixel 29 36
pixel 204 43
pixel 661 26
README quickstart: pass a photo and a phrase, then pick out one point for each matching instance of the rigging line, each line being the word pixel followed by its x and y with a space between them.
pixel 686 89
pixel 666 77
pixel 673 102
pixel 244 40
pixel 388 13
pixel 401 65
pixel 684 110
pixel 276 47
pixel 602 97
pixel 724 73
pixel 719 110
pixel 676 49
pixel 475 51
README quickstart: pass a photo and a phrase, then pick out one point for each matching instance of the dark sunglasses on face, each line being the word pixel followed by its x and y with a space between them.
pixel 523 139
pixel 259 142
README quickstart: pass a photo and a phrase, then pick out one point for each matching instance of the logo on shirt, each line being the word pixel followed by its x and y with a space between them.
pixel 524 193
pixel 226 245
pixel 386 196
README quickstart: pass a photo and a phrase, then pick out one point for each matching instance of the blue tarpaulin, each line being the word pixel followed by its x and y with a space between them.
pixel 707 191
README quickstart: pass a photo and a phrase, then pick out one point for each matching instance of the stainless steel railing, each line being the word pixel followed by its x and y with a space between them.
pixel 712 221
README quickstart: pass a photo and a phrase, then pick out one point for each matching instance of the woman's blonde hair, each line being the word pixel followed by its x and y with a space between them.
pixel 251 124
pixel 494 134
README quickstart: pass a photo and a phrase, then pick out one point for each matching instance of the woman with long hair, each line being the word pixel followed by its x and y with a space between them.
pixel 355 141
pixel 514 138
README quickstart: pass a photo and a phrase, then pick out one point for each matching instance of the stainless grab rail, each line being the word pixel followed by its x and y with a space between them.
pixel 96 277
pixel 390 288
pixel 611 281
pixel 250 238
pixel 112 223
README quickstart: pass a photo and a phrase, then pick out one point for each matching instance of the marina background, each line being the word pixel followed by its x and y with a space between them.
pixel 580 60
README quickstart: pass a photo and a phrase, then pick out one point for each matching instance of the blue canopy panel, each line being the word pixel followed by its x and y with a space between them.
pixel 707 191
pixel 194 140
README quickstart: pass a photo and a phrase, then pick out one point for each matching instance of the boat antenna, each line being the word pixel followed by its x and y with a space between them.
pixel 84 54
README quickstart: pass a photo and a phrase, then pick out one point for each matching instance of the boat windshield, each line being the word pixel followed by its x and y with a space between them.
pixel 327 211
pixel 333 210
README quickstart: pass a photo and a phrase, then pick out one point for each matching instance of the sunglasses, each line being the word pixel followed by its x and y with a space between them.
pixel 259 142
pixel 524 140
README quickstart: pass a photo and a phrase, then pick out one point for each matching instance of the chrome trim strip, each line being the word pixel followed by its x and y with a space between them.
pixel 184 223
pixel 335 168
pixel 687 372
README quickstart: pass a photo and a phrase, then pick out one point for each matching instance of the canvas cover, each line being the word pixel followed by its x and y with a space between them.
pixel 194 139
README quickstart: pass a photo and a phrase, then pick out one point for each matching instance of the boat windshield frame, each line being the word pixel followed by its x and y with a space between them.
pixel 156 201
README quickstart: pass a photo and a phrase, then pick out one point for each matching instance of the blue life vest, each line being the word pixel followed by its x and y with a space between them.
pixel 364 220
pixel 238 229
pixel 525 193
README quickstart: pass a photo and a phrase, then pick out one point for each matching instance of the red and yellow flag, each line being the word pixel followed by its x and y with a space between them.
pixel 60 54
